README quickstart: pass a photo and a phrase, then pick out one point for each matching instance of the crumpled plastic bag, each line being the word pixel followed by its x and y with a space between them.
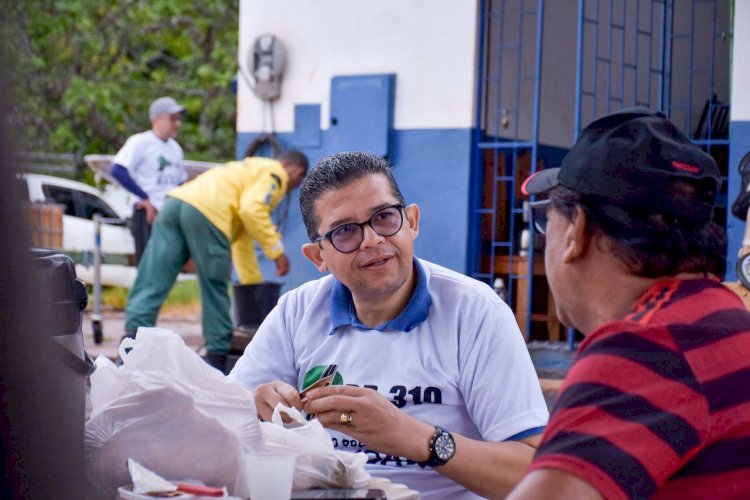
pixel 171 412
pixel 318 464
pixel 159 356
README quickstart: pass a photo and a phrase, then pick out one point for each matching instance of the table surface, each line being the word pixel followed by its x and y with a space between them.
pixel 393 491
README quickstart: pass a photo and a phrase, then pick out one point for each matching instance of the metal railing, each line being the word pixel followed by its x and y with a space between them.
pixel 61 164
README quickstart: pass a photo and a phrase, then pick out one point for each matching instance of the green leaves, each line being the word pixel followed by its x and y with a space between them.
pixel 84 72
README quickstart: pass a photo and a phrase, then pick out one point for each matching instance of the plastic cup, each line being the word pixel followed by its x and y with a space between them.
pixel 270 475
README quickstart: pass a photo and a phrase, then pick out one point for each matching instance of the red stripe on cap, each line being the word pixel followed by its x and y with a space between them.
pixel 684 166
pixel 523 186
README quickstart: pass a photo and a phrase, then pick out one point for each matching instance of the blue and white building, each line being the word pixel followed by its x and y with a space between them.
pixel 466 98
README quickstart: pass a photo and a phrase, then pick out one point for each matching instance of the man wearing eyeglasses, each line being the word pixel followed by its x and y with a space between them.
pixel 430 376
pixel 149 165
pixel 657 402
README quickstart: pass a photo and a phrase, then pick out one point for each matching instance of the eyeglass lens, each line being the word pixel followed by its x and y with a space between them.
pixel 385 222
pixel 539 215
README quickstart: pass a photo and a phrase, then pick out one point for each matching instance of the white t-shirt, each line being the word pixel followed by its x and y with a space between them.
pixel 454 358
pixel 157 166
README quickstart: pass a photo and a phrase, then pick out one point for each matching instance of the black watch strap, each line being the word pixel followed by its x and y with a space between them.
pixel 442 448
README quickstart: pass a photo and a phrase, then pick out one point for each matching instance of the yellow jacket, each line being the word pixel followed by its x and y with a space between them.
pixel 238 199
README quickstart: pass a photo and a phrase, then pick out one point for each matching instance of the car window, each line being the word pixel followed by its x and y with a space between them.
pixel 88 205
pixel 77 203
pixel 60 195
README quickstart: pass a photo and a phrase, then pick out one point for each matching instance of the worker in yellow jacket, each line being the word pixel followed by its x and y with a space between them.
pixel 216 219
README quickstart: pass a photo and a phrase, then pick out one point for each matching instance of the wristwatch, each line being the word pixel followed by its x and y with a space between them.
pixel 442 448
pixel 743 270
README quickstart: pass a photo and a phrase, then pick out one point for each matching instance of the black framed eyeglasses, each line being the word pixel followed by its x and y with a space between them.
pixel 539 214
pixel 346 238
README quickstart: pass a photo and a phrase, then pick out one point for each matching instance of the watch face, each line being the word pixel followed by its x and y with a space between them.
pixel 445 447
pixel 743 270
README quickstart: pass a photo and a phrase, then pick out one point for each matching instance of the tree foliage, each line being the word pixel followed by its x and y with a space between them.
pixel 83 72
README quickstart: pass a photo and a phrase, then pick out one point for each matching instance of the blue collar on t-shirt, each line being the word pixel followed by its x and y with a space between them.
pixel 343 313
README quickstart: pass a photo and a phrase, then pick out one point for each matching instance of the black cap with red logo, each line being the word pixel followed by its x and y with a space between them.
pixel 627 158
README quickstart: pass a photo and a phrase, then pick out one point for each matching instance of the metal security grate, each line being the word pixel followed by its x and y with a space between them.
pixel 506 145
pixel 670 55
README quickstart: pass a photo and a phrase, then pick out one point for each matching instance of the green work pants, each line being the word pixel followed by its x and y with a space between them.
pixel 180 231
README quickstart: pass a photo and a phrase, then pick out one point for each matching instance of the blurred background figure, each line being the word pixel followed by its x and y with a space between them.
pixel 151 164
pixel 215 219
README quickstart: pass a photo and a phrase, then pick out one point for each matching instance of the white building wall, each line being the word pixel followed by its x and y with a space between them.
pixel 740 110
pixel 428 44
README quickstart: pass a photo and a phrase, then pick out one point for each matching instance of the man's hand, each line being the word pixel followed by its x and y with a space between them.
pixel 267 396
pixel 149 208
pixel 374 420
pixel 282 265
pixel 489 469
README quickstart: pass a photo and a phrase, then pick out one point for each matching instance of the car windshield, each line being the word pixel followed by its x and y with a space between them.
pixel 78 203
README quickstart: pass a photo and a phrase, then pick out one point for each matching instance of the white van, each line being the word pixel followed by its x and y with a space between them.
pixel 80 202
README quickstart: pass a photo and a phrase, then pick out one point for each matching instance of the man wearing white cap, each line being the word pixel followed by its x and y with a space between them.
pixel 149 165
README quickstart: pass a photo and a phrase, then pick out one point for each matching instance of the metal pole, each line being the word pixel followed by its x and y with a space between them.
pixel 472 256
pixel 96 317
pixel 570 332
pixel 534 160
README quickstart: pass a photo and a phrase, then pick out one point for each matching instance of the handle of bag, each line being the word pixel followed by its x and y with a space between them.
pixel 125 347
pixel 292 413
pixel 84 367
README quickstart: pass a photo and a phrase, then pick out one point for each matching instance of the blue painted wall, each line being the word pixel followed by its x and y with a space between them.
pixel 432 169
pixel 739 133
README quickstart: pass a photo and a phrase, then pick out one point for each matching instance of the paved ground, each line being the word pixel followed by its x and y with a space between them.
pixel 185 323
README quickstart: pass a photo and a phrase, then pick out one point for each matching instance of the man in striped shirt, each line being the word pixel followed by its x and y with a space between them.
pixel 657 402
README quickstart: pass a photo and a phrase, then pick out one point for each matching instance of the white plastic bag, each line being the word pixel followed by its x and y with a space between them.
pixel 170 411
pixel 158 356
pixel 318 464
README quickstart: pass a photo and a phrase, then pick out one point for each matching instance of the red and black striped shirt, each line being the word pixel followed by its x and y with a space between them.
pixel 658 404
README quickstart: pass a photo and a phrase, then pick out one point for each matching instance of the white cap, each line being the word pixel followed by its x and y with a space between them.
pixel 164 106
